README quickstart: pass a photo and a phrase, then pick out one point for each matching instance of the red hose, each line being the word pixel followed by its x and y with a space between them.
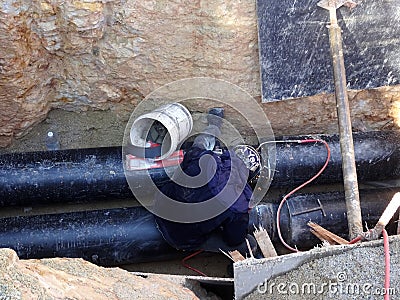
pixel 387 265
pixel 190 267
pixel 356 240
pixel 386 289
pixel 278 214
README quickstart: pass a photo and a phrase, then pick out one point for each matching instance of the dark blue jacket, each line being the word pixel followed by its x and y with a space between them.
pixel 225 176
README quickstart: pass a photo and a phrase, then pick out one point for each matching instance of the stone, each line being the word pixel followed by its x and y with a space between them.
pixel 108 55
pixel 332 272
pixel 74 278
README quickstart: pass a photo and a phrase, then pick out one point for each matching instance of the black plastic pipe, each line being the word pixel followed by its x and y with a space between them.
pixel 325 209
pixel 93 174
pixel 77 175
pixel 377 155
pixel 129 235
pixel 104 237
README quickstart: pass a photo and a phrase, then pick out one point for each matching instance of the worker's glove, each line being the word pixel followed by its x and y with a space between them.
pixel 215 116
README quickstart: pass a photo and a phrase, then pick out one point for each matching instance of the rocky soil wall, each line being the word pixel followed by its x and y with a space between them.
pixel 107 55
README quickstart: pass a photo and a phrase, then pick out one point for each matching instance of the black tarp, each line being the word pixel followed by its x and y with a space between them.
pixel 294 46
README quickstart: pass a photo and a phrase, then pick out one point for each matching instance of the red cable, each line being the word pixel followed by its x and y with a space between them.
pixel 189 267
pixel 278 213
pixel 356 240
pixel 387 261
pixel 387 264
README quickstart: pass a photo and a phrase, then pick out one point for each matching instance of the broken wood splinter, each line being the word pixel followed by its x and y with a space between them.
pixel 389 212
pixel 325 235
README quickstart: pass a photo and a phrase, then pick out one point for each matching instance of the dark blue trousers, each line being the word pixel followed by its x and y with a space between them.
pixel 231 225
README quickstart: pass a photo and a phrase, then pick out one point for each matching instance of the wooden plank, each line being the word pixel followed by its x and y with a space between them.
pixel 236 256
pixel 264 242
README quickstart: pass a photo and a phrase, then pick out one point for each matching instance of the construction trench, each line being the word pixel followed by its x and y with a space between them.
pixel 119 232
pixel 326 212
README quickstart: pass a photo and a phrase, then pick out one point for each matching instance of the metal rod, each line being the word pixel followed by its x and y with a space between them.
pixel 398 226
pixel 345 131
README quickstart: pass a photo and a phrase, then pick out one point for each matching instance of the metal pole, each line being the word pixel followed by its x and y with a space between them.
pixel 352 196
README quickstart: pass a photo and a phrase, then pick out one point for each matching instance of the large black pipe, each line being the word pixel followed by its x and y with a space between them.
pixel 326 209
pixel 122 236
pixel 105 237
pixel 377 156
pixel 82 174
pixel 67 175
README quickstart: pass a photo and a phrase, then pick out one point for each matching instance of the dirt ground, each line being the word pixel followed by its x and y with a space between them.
pixel 211 264
pixel 75 130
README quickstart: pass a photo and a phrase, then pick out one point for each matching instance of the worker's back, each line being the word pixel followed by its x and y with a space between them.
pixel 204 175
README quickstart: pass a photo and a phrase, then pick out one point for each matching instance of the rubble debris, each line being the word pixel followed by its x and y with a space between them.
pixel 348 266
pixel 75 278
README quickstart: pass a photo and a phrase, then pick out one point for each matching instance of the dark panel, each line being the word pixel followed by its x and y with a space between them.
pixel 294 46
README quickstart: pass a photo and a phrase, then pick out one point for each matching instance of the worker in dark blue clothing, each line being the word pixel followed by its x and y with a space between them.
pixel 224 177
